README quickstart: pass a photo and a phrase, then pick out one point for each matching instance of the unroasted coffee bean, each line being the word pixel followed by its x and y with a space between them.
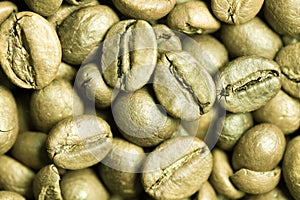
pixel 66 9
pixel 79 142
pixel 147 10
pixel 236 11
pixel 30 51
pixel 166 39
pixel 192 17
pixel 54 103
pixel 119 169
pixel 275 194
pixel 82 184
pixel 6 9
pixel 206 192
pixel 220 176
pixel 141 120
pixel 46 183
pixel 283 16
pixel 66 72
pixel 209 52
pixel 9 195
pixel 83 30
pixel 285 113
pixel 177 168
pixel 9 126
pixel 254 182
pixel 288 59
pixel 262 42
pixel 15 176
pixel 89 80
pixel 261 148
pixel 129 54
pixel 248 82
pixel 44 7
pixel 29 149
pixel 182 86
pixel 290 167
pixel 234 125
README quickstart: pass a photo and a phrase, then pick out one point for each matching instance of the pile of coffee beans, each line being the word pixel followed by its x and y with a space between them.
pixel 150 100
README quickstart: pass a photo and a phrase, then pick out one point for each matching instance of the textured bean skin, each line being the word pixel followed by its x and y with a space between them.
pixel 291 162
pixel 177 168
pixel 29 60
pixel 261 148
pixel 82 31
pixel 79 142
pixel 283 16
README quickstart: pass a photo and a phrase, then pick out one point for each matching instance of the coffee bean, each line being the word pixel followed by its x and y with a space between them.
pixel 236 11
pixel 141 120
pixel 285 113
pixel 234 126
pixel 254 182
pixel 282 15
pixel 15 176
pixel 193 17
pixel 30 51
pixel 220 176
pixel 90 81
pixel 177 168
pixel 184 89
pixel 66 72
pixel 46 183
pixel 83 30
pixel 288 59
pixel 129 55
pixel 79 142
pixel 290 167
pixel 30 149
pixel 248 82
pixel 263 42
pixel 259 149
pixel 148 10
pixel 54 103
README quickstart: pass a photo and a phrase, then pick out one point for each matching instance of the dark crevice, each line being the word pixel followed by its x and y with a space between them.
pixel 179 77
pixel 255 78
pixel 296 80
